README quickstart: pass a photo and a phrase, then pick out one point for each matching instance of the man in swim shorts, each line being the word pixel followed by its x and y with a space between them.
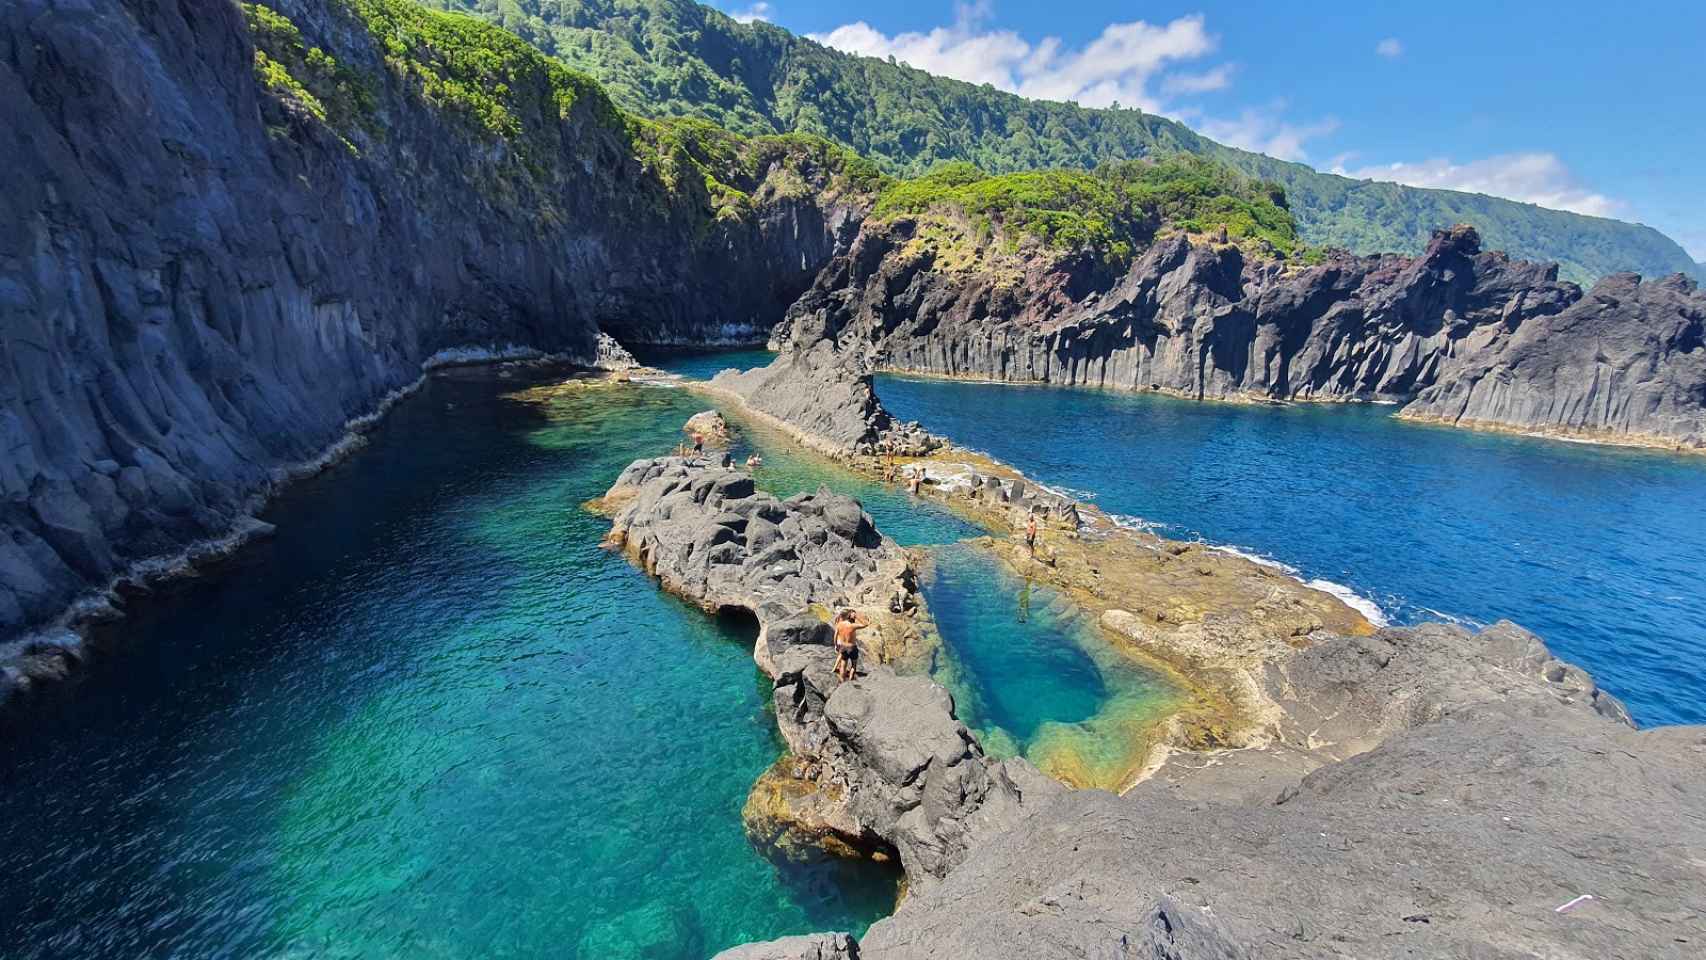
pixel 1031 533
pixel 847 624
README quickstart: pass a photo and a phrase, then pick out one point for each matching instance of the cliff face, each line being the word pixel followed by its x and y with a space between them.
pixel 1465 334
pixel 1626 360
pixel 203 279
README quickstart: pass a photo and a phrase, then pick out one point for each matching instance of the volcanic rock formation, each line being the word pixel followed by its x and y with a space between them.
pixel 878 761
pixel 1460 334
pixel 202 285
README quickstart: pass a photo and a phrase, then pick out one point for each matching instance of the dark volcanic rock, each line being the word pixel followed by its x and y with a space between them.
pixel 201 286
pixel 1626 360
pixel 1428 792
pixel 883 758
pixel 1478 336
pixel 1459 838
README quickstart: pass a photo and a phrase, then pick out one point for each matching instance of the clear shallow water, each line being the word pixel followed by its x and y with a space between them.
pixel 431 718
pixel 1599 550
pixel 1032 676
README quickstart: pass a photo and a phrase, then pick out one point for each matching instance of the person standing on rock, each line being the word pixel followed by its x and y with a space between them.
pixel 698 443
pixel 1031 533
pixel 847 624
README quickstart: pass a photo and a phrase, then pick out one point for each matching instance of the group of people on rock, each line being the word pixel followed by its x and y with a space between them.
pixel 728 460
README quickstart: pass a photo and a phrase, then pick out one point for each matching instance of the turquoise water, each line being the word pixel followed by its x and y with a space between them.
pixel 430 719
pixel 1599 550
pixel 1012 633
pixel 1033 676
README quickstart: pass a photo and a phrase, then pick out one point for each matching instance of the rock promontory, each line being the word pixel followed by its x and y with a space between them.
pixel 1459 334
pixel 1434 792
pixel 879 763
pixel 1395 792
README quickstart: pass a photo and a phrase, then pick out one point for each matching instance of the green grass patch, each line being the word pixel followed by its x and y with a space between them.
pixel 332 93
pixel 1112 211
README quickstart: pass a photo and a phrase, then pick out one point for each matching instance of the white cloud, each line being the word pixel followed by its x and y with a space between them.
pixel 1264 131
pixel 1117 65
pixel 1338 162
pixel 758 11
pixel 1390 48
pixel 1539 178
pixel 1217 79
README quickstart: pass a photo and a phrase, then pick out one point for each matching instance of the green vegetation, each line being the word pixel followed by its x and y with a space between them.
pixel 497 88
pixel 1109 212
pixel 333 94
pixel 687 155
pixel 675 58
pixel 463 65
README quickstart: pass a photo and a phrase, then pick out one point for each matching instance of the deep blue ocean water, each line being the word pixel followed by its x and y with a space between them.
pixel 1599 550
pixel 703 365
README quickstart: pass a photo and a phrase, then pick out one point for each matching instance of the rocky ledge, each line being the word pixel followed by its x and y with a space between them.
pixel 1490 802
pixel 1426 791
pixel 1430 792
pixel 823 398
pixel 879 764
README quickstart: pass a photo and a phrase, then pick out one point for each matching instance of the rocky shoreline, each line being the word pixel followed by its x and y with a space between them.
pixel 1342 791
pixel 1457 335
pixel 168 350
pixel 879 765
pixel 204 283
pixel 58 651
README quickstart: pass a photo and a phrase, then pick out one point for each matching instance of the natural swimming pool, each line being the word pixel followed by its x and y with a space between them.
pixel 433 717
pixel 430 718
pixel 1599 550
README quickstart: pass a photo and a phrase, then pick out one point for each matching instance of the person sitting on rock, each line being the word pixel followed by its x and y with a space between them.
pixel 1031 533
pixel 698 443
pixel 847 624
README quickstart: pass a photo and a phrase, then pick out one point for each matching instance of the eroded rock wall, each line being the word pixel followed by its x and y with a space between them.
pixel 201 284
pixel 1466 334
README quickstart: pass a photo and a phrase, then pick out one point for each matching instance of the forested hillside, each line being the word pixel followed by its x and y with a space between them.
pixel 679 58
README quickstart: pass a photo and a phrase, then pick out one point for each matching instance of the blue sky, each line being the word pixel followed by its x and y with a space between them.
pixel 1597 108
